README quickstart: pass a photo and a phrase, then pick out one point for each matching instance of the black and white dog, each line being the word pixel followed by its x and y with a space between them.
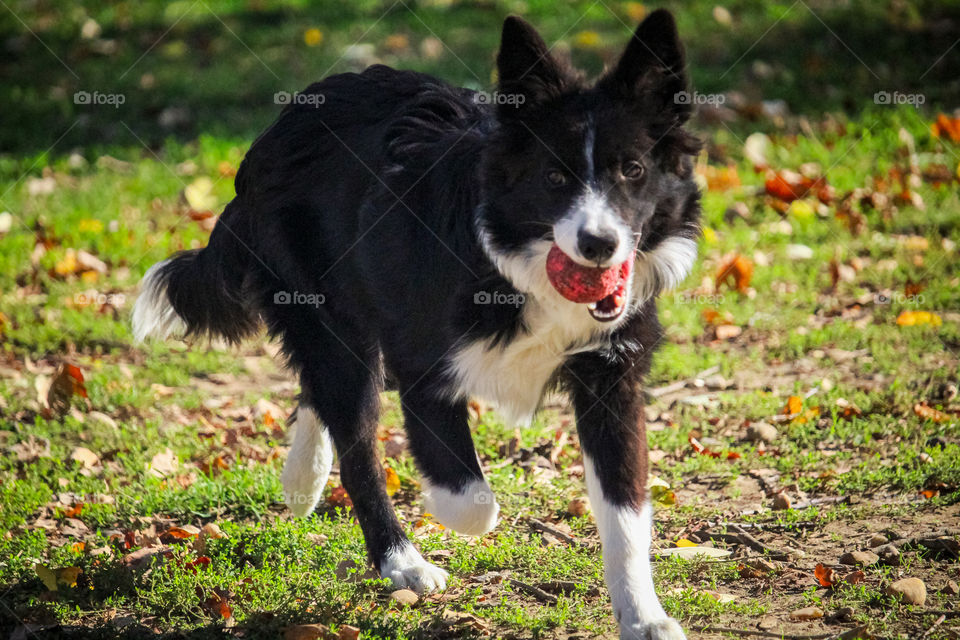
pixel 392 229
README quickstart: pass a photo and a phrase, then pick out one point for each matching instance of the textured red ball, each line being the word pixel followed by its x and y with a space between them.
pixel 578 283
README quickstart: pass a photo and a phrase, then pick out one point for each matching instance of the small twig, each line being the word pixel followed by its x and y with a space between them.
pixel 536 592
pixel 813 502
pixel 936 624
pixel 543 527
pixel 680 385
pixel 756 545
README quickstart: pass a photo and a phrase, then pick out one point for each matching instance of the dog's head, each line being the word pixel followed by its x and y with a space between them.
pixel 602 170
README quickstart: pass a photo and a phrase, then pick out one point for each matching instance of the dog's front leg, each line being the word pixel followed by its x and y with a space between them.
pixel 610 422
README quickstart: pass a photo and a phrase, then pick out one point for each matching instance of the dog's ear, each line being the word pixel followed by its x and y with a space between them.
pixel 654 62
pixel 525 67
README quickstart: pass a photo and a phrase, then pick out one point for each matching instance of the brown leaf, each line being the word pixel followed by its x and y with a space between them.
pixel 736 271
pixel 67 382
pixel 824 576
pixel 929 413
pixel 85 457
pixel 308 632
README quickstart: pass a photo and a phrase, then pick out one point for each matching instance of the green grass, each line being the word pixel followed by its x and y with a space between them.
pixel 278 571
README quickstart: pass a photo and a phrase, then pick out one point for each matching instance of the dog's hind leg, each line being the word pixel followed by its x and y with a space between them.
pixel 308 464
pixel 340 382
pixel 455 492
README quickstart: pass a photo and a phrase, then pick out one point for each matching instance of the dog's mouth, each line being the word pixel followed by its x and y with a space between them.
pixel 603 291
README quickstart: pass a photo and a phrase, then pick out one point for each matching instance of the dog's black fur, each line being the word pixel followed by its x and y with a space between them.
pixel 374 199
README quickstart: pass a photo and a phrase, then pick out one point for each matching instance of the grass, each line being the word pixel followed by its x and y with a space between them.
pixel 113 185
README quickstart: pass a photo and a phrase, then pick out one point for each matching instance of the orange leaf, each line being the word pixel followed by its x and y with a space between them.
pixel 946 126
pixel 929 413
pixel 181 533
pixel 929 493
pixel 78 546
pixel 73 511
pixel 794 406
pixel 737 269
pixel 914 318
pixel 393 481
pixel 824 576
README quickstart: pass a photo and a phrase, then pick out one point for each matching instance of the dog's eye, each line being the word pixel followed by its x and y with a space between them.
pixel 555 178
pixel 632 170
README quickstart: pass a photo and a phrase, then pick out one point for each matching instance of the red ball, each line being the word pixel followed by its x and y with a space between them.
pixel 578 283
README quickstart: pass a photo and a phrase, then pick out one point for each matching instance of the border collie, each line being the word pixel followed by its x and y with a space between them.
pixel 395 231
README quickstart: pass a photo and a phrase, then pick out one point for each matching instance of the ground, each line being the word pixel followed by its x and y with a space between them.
pixel 802 406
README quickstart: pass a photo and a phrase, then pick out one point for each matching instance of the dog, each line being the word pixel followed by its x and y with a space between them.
pixel 394 231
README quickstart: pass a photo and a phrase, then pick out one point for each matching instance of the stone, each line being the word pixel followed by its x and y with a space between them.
pixel 807 613
pixel 889 554
pixel 762 432
pixel 781 502
pixel 404 597
pixel 950 589
pixel 878 539
pixel 859 558
pixel 910 590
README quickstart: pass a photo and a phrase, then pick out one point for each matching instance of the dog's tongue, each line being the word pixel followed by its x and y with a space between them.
pixel 581 284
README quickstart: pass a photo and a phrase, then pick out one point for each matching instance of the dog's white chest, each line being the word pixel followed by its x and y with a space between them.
pixel 513 376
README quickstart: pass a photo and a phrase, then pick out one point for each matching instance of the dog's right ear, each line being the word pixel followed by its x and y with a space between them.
pixel 525 67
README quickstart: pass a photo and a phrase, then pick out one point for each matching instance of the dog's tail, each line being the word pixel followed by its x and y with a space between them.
pixel 200 291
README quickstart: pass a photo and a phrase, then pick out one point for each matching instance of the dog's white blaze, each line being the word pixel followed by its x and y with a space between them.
pixel 472 511
pixel 592 213
pixel 153 315
pixel 407 569
pixel 625 536
pixel 308 464
pixel 663 268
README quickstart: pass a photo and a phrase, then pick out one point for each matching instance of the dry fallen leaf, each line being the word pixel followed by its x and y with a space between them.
pixel 929 413
pixel 824 576
pixel 793 407
pixel 393 481
pixel 736 271
pixel 85 457
pixel 53 578
pixel 67 382
pixel 915 318
pixel 164 463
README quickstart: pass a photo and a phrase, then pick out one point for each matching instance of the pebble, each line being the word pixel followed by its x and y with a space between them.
pixel 578 507
pixel 950 589
pixel 799 252
pixel 807 613
pixel 878 539
pixel 762 564
pixel 910 590
pixel 889 554
pixel 781 502
pixel 859 558
pixel 762 432
pixel 405 597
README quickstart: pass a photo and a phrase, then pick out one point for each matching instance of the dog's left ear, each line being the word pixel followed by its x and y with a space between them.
pixel 654 62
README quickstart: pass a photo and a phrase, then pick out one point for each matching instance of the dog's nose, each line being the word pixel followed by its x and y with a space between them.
pixel 597 247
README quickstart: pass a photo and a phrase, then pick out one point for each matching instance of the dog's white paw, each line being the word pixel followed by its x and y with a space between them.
pixel 473 511
pixel 666 629
pixel 407 569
